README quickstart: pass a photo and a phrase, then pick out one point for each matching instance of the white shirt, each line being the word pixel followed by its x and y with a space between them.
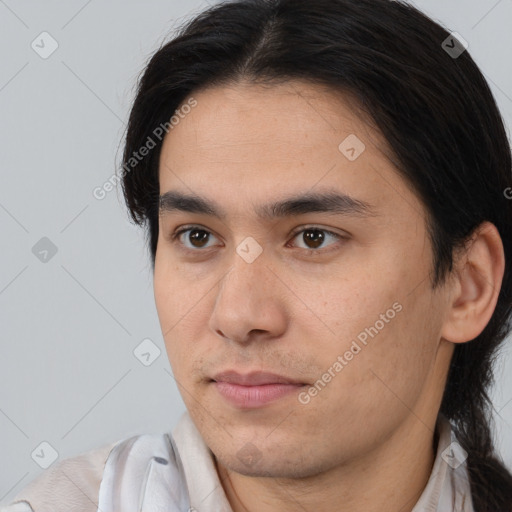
pixel 90 482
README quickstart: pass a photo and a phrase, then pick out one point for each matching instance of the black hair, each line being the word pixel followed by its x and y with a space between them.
pixel 435 110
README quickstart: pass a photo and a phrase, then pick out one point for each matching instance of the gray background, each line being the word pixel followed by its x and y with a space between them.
pixel 70 325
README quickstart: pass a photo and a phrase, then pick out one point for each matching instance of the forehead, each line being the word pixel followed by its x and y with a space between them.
pixel 292 114
pixel 244 141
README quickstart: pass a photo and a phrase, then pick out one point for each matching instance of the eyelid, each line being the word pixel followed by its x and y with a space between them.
pixel 293 234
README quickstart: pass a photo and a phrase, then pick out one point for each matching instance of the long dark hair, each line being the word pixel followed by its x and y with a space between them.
pixel 434 108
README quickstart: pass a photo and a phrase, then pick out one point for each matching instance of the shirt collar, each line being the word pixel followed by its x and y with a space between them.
pixel 448 488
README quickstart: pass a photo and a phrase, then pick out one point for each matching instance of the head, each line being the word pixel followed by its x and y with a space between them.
pixel 352 234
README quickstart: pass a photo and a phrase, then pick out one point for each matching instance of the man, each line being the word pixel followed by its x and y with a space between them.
pixel 331 243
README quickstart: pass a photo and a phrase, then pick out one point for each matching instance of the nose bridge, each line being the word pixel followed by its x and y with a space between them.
pixel 246 299
pixel 246 278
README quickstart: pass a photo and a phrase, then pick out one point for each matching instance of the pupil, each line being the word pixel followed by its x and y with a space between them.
pixel 316 240
pixel 194 237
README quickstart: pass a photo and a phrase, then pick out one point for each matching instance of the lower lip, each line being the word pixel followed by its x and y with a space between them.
pixel 249 397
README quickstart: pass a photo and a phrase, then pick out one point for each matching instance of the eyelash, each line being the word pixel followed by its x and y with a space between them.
pixel 296 232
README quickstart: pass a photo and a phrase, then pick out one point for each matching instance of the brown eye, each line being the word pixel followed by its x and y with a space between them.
pixel 197 238
pixel 313 238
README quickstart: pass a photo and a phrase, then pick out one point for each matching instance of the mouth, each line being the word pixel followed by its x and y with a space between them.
pixel 255 389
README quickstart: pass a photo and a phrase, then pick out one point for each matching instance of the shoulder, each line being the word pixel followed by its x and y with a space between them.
pixel 70 484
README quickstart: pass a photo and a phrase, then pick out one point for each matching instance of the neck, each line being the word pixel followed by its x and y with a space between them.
pixel 389 478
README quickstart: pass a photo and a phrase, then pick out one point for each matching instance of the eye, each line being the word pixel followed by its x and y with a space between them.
pixel 313 236
pixel 198 237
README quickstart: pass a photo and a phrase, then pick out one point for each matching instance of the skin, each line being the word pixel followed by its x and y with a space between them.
pixel 365 442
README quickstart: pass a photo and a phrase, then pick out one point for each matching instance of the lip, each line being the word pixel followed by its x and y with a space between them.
pixel 253 378
pixel 255 389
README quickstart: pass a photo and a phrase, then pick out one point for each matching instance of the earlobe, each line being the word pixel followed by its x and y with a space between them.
pixel 476 285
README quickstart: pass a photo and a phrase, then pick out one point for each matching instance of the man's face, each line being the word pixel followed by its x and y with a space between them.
pixel 352 320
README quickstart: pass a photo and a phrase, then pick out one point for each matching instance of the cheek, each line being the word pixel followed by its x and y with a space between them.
pixel 390 372
pixel 352 304
pixel 171 306
pixel 382 333
pixel 175 293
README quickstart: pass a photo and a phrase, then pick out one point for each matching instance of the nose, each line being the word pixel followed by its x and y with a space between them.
pixel 250 303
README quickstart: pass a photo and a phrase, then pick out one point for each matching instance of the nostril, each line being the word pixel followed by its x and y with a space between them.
pixel 160 460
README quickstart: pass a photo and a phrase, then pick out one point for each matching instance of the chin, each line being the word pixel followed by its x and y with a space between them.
pixel 250 461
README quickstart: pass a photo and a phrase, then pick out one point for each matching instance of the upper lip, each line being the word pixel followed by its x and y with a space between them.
pixel 253 378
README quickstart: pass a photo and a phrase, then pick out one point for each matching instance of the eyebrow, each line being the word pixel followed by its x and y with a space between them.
pixel 331 202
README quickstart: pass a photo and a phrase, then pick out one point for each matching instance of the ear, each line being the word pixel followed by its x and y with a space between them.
pixel 476 286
